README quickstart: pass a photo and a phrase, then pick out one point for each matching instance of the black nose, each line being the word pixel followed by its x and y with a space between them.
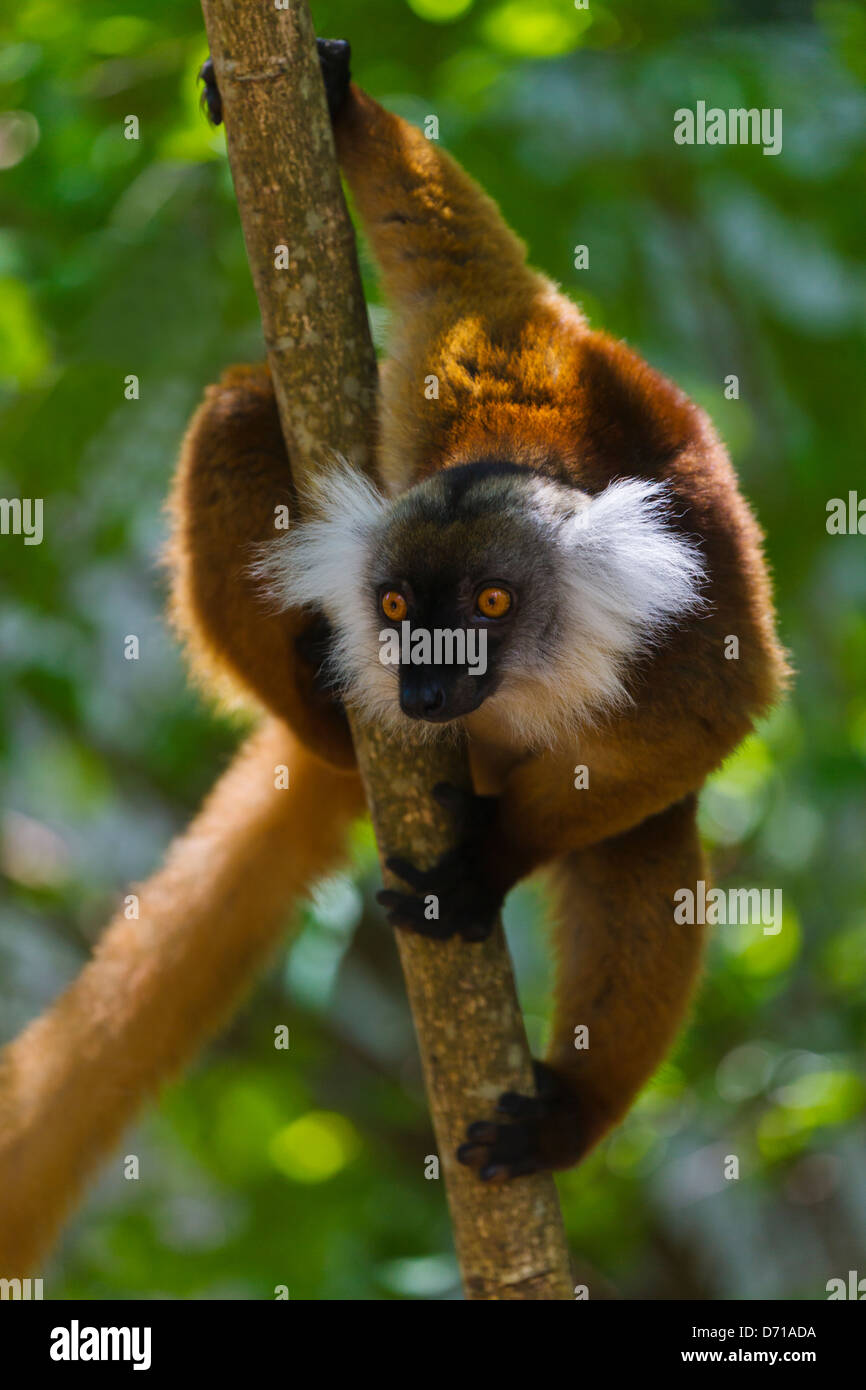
pixel 423 699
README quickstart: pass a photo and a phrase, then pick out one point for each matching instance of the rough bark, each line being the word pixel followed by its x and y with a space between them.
pixel 510 1239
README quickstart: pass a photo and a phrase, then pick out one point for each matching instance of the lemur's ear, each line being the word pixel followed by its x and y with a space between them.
pixel 322 562
pixel 630 416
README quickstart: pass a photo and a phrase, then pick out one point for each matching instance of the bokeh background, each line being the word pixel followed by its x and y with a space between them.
pixel 262 1167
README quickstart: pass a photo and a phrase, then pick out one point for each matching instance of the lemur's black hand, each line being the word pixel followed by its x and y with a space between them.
pixel 467 901
pixel 334 56
pixel 536 1132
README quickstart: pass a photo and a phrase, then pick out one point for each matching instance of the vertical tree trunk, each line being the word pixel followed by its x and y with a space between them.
pixel 510 1240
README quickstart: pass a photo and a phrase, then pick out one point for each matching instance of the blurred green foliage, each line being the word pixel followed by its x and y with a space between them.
pixel 305 1167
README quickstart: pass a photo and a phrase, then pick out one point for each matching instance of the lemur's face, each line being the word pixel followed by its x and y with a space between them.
pixel 487 585
pixel 447 632
pixel 462 585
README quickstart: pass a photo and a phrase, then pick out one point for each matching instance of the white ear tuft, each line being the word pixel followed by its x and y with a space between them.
pixel 323 562
pixel 627 577
pixel 633 570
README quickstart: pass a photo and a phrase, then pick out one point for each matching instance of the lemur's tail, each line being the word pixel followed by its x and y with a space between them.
pixel 159 984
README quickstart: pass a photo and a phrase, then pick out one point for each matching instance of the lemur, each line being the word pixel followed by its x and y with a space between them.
pixel 556 496
pixel 560 497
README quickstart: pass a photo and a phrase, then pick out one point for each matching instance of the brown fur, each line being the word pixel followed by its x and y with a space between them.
pixel 520 376
pixel 160 985
pixel 232 475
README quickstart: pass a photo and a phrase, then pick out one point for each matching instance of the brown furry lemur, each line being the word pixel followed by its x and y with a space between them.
pixel 559 497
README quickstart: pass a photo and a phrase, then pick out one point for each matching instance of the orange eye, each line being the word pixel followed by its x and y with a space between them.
pixel 394 606
pixel 493 603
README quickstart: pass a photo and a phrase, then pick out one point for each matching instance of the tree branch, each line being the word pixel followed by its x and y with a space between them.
pixel 510 1240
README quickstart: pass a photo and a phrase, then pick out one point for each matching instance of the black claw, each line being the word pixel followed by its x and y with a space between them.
pixel 460 880
pixel 408 912
pixel 493 1172
pixel 499 1151
pixel 481 1132
pixel 210 98
pixel 334 56
pixel 402 904
pixel 514 1104
pixel 536 1132
pixel 404 869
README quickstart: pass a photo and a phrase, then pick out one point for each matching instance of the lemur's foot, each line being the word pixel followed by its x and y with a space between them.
pixel 540 1132
pixel 455 896
pixel 334 56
